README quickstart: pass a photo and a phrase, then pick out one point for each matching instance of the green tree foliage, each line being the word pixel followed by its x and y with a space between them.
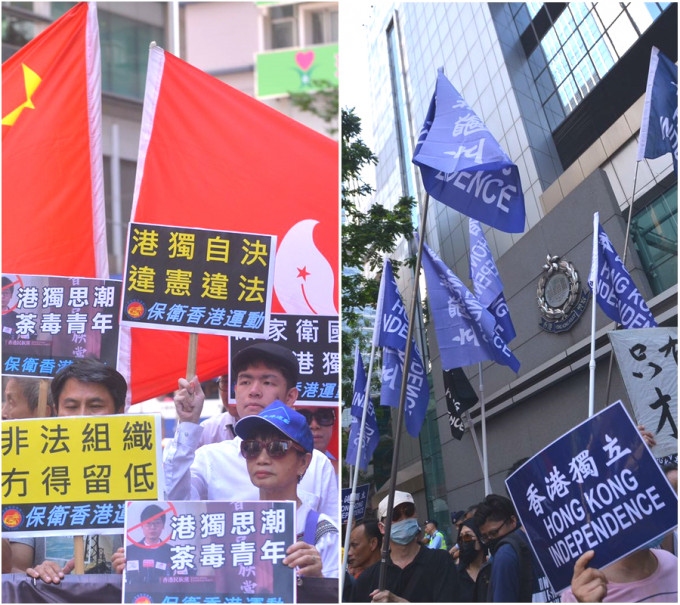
pixel 368 234
pixel 323 102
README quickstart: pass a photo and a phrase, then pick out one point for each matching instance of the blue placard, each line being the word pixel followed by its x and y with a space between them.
pixel 597 487
pixel 359 503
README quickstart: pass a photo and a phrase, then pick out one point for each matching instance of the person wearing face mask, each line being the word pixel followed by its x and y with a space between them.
pixel 472 555
pixel 413 573
pixel 513 575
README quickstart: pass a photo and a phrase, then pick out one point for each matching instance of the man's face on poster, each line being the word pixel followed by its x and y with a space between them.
pixel 152 529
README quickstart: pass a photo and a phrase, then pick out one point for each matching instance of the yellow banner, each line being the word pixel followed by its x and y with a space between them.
pixel 81 459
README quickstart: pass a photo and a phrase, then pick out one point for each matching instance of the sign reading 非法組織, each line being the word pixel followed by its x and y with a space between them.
pixel 210 552
pixel 72 475
pixel 48 322
pixel 198 280
pixel 597 487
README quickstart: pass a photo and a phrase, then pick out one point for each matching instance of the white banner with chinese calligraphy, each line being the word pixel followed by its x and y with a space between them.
pixel 315 340
pixel 648 360
pixel 48 322
pixel 198 280
pixel 72 475
pixel 209 552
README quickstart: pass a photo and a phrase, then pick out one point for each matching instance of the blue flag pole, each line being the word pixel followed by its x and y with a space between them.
pixel 355 481
pixel 384 553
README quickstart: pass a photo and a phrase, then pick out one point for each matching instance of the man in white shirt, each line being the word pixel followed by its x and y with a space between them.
pixel 264 372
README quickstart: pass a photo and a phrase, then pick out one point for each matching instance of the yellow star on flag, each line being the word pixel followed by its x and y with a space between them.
pixel 31 82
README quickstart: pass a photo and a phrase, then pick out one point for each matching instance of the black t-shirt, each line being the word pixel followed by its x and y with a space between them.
pixel 466 585
pixel 148 564
pixel 431 577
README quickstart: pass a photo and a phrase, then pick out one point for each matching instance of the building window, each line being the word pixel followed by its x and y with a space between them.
pixel 654 232
pixel 282 26
pixel 125 52
pixel 321 26
pixel 580 46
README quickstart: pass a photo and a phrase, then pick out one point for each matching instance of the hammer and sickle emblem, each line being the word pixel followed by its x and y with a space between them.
pixel 31 82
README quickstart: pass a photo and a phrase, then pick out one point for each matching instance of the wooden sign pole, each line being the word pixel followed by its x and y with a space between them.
pixel 79 555
pixel 191 358
pixel 42 397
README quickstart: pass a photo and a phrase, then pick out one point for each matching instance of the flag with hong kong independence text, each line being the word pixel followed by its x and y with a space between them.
pixel 371 436
pixel 659 128
pixel 617 294
pixel 463 166
pixel 487 281
pixel 53 214
pixel 390 333
pixel 465 329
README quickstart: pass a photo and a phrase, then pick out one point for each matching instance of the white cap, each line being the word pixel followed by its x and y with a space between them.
pixel 399 498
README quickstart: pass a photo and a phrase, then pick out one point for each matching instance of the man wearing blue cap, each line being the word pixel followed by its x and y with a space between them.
pixel 278 446
pixel 263 372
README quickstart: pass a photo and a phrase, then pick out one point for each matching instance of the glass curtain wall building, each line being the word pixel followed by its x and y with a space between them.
pixel 561 87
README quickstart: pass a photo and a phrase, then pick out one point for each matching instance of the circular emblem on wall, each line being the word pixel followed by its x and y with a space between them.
pixel 561 299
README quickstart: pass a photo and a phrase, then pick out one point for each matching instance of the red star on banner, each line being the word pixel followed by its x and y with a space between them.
pixel 303 273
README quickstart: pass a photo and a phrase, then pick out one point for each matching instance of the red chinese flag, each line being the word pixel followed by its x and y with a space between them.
pixel 53 216
pixel 213 157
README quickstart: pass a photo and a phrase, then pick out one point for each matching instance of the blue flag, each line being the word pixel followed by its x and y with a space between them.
pixel 391 334
pixel 464 167
pixel 465 329
pixel 371 435
pixel 616 292
pixel 659 129
pixel 487 283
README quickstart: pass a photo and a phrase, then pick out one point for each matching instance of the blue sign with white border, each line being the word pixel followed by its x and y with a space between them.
pixel 597 487
pixel 359 503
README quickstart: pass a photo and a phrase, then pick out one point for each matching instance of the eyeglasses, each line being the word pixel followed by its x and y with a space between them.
pixel 277 448
pixel 154 523
pixel 323 416
pixel 223 383
pixel 493 533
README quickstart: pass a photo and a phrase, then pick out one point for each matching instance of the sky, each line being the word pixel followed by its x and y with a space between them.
pixel 354 15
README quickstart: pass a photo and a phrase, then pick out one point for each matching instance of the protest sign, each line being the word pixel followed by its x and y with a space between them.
pixel 315 340
pixel 648 360
pixel 198 280
pixel 209 552
pixel 359 503
pixel 49 322
pixel 72 475
pixel 596 487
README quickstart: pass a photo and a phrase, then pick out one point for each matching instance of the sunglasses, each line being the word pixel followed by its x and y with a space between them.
pixel 467 538
pixel 323 416
pixel 403 510
pixel 277 448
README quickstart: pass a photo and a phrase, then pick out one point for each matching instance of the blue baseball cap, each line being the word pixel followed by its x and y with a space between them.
pixel 281 417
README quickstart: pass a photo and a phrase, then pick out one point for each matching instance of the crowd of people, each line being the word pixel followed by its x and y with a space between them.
pixel 264 448
pixel 270 452
pixel 492 561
